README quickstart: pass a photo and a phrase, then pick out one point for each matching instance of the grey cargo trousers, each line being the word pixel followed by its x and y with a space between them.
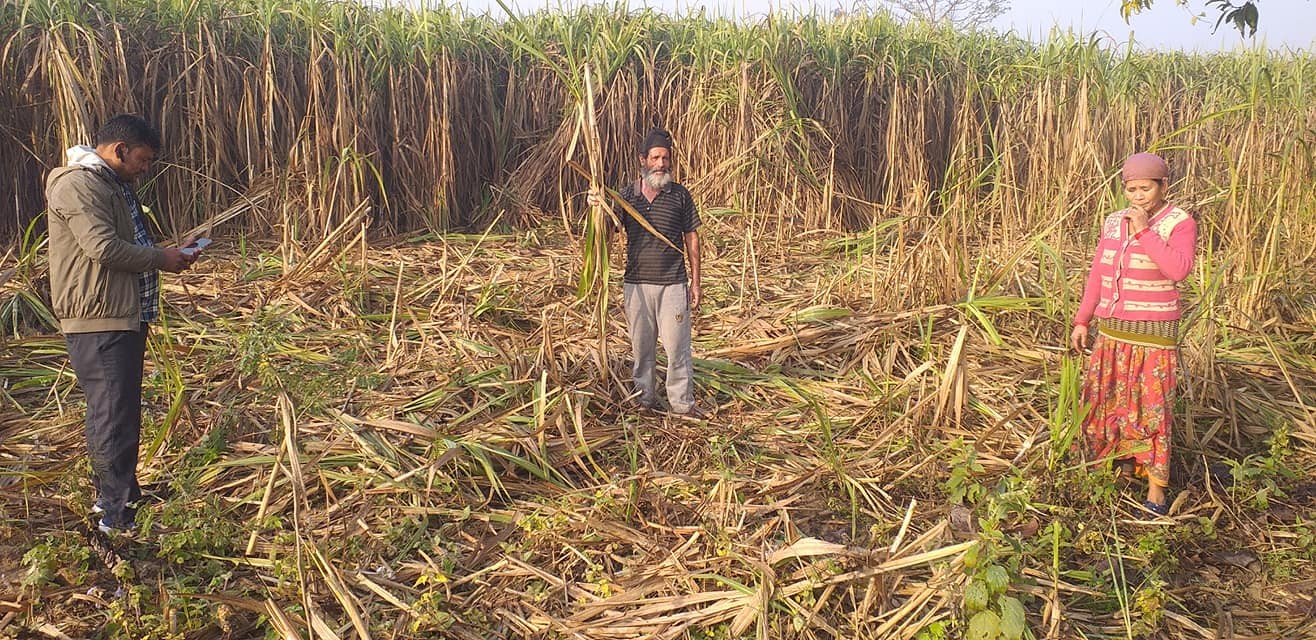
pixel 660 313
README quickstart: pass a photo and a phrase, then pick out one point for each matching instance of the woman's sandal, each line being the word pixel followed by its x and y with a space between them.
pixel 1158 508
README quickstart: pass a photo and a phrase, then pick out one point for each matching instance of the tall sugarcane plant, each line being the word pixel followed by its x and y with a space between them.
pixel 580 70
pixel 441 120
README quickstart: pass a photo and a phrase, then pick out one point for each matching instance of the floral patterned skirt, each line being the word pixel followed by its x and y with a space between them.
pixel 1129 391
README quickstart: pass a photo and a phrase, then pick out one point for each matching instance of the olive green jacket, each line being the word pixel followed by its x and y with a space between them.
pixel 94 262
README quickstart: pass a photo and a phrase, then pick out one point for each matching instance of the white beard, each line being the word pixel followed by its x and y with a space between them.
pixel 657 181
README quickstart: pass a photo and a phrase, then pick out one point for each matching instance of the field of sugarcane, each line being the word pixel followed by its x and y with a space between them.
pixel 391 401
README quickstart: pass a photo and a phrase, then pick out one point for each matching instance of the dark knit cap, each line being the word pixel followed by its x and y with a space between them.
pixel 656 138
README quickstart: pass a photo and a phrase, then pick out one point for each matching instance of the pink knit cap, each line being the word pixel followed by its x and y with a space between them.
pixel 1144 166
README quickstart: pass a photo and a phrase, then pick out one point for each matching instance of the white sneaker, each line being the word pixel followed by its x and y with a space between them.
pixel 108 530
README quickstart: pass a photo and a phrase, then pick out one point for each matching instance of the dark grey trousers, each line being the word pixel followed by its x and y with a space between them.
pixel 109 367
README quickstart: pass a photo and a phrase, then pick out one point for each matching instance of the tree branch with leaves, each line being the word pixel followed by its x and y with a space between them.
pixel 1243 15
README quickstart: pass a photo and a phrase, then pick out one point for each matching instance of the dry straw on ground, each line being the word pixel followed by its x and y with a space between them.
pixel 353 433
pixel 421 440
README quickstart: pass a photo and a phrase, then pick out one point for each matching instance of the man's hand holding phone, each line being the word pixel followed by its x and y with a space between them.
pixel 178 260
pixel 195 247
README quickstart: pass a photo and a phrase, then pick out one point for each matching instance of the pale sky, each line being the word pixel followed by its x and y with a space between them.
pixel 1167 25
pixel 1283 23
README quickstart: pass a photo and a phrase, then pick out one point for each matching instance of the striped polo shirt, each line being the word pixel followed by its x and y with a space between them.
pixel 672 213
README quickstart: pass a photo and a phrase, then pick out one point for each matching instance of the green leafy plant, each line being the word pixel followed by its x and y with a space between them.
pixel 58 558
pixel 1261 476
pixel 993 614
pixel 964 465
pixel 992 564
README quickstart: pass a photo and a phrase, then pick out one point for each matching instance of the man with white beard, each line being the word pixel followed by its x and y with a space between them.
pixel 660 294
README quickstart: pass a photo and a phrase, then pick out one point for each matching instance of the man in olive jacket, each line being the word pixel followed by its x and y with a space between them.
pixel 105 287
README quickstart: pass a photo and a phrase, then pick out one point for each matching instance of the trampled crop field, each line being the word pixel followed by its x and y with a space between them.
pixel 391 401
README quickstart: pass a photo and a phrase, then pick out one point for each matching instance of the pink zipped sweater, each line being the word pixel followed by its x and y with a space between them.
pixel 1135 277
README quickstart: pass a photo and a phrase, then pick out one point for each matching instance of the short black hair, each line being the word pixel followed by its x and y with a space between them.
pixel 130 129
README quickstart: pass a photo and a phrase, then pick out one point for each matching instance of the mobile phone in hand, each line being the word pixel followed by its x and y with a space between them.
pixel 198 245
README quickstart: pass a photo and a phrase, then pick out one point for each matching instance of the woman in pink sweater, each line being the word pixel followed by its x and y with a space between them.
pixel 1143 253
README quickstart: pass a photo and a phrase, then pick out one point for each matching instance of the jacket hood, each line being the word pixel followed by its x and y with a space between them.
pixel 79 158
pixel 83 156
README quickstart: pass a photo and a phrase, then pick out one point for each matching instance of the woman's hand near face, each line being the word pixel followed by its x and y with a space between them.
pixel 1137 217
